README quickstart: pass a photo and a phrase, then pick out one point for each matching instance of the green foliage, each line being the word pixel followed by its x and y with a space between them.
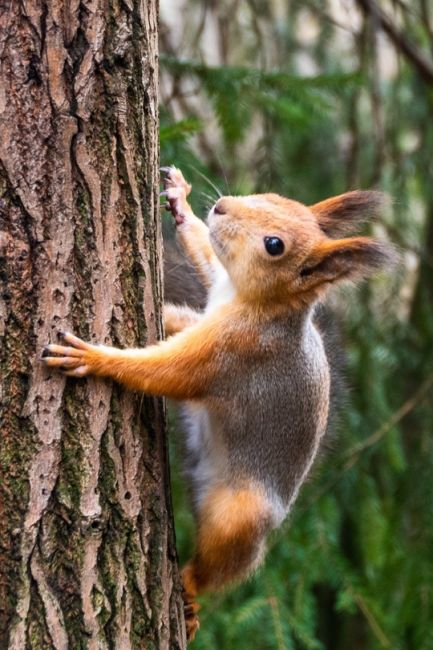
pixel 238 92
pixel 353 566
pixel 179 130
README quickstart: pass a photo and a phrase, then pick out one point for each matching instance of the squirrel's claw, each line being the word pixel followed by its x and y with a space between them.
pixel 176 202
pixel 174 178
pixel 69 359
pixel 192 622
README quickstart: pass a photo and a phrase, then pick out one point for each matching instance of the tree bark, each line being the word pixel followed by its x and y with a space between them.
pixel 87 549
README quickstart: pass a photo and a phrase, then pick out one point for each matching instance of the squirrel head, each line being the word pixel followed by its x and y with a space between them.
pixel 279 251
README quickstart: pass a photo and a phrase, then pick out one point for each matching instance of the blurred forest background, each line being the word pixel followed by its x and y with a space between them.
pixel 310 98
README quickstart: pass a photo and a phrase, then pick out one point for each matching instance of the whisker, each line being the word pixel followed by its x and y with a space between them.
pixel 210 198
pixel 197 171
pixel 172 269
pixel 223 173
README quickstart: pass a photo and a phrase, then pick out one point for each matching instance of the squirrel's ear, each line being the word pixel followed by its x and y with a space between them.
pixel 342 214
pixel 345 259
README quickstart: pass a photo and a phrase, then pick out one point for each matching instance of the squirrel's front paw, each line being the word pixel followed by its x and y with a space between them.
pixel 75 360
pixel 176 189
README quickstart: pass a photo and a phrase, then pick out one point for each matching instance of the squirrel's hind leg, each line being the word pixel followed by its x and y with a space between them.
pixel 232 527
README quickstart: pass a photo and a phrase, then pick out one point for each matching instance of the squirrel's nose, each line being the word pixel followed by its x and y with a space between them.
pixel 219 208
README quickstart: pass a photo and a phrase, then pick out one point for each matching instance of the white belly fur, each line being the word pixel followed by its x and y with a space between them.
pixel 222 290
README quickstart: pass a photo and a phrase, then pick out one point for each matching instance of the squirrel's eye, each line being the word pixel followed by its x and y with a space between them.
pixel 274 245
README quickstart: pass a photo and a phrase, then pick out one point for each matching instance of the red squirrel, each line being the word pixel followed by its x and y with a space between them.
pixel 250 368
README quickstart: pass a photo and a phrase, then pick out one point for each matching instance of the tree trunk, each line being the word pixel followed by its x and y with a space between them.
pixel 87 549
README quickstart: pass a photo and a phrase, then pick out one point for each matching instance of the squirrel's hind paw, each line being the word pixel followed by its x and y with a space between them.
pixel 192 622
pixel 190 605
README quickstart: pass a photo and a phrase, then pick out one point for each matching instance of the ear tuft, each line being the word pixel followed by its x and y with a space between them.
pixel 343 214
pixel 347 259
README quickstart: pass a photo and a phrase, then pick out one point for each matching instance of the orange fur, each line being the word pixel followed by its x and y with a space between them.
pixel 183 367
